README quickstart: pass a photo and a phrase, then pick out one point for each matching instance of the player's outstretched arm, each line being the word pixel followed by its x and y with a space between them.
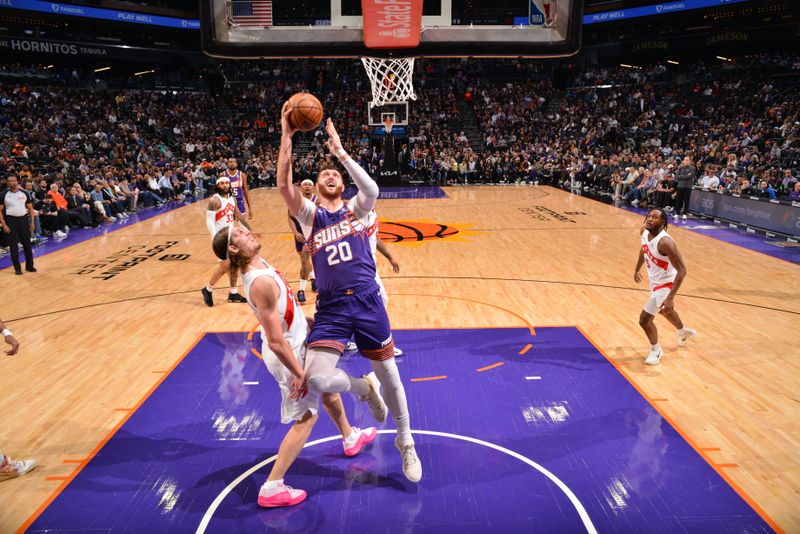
pixel 383 249
pixel 290 194
pixel 264 296
pixel 367 188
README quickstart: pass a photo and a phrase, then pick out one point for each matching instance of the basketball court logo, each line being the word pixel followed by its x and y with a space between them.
pixel 419 231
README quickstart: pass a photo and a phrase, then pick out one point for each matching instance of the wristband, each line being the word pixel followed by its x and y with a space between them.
pixel 341 152
pixel 7 333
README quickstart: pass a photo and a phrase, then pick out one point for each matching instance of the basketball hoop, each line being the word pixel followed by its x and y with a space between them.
pixel 387 126
pixel 391 79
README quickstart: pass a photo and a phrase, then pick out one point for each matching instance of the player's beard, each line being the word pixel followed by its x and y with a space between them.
pixel 323 192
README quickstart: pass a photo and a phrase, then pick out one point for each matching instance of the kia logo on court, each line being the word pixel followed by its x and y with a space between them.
pixel 707 204
pixel 174 257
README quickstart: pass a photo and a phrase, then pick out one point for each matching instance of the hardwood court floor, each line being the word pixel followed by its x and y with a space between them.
pixel 94 344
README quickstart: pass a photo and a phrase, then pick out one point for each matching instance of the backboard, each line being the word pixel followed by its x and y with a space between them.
pixel 334 28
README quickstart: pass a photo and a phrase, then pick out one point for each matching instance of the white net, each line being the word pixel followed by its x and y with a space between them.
pixel 391 79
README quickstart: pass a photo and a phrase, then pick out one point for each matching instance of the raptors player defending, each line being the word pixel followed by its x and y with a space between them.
pixel 306 269
pixel 666 272
pixel 283 333
pixel 239 189
pixel 349 301
pixel 221 213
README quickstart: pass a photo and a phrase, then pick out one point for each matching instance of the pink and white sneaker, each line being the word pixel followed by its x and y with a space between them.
pixel 364 438
pixel 10 468
pixel 280 495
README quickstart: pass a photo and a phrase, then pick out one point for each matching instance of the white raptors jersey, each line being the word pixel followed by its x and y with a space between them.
pixel 293 322
pixel 224 216
pixel 660 270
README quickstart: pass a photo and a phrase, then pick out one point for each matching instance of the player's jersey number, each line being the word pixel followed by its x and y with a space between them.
pixel 338 253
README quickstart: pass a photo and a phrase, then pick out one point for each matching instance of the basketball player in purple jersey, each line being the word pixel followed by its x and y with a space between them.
pixel 239 188
pixel 306 269
pixel 349 301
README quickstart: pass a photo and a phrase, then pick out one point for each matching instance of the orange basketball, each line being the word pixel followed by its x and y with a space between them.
pixel 306 111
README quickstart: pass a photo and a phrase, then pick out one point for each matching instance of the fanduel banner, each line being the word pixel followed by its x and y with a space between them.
pixel 103 14
pixel 656 9
pixel 392 23
pixel 783 217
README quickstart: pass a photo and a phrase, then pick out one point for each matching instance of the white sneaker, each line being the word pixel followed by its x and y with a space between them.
pixel 351 346
pixel 684 217
pixel 59 233
pixel 688 334
pixel 374 399
pixel 398 352
pixel 412 467
pixel 16 468
pixel 635 202
pixel 654 357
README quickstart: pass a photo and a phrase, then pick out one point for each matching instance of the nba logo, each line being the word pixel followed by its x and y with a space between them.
pixel 535 13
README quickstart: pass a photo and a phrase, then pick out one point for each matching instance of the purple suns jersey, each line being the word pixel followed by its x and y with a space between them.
pixel 339 245
pixel 237 190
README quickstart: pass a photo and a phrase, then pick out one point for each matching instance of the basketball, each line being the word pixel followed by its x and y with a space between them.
pixel 306 111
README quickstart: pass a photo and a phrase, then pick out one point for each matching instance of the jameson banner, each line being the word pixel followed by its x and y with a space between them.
pixel 782 217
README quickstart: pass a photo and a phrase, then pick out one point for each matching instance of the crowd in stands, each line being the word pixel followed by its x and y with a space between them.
pixel 89 154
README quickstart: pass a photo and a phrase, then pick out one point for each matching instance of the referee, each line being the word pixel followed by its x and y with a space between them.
pixel 17 222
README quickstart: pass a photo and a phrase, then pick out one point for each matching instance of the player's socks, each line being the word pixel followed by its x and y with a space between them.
pixel 303 284
pixel 394 395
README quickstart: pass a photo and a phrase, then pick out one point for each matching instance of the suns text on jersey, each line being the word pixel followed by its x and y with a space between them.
pixel 337 231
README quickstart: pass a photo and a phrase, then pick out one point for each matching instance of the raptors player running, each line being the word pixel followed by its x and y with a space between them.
pixel 221 213
pixel 283 333
pixel 306 269
pixel 666 271
pixel 349 301
pixel 239 189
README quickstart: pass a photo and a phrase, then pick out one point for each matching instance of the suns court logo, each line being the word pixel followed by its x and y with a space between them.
pixel 420 231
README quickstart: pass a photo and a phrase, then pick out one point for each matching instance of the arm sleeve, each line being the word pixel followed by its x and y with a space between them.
pixel 210 216
pixel 367 188
pixel 306 216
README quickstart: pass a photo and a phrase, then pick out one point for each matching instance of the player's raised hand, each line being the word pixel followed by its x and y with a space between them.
pixel 286 126
pixel 334 142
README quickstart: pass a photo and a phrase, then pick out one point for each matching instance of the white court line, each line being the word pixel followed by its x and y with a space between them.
pixel 249 383
pixel 587 522
pixel 533 378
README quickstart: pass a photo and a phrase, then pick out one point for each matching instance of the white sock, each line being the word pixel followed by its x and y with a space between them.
pixel 681 331
pixel 234 291
pixel 394 394
pixel 655 347
pixel 352 437
pixel 312 275
pixel 303 285
pixel 272 484
pixel 209 288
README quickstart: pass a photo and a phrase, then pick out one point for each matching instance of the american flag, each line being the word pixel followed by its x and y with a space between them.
pixel 254 13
